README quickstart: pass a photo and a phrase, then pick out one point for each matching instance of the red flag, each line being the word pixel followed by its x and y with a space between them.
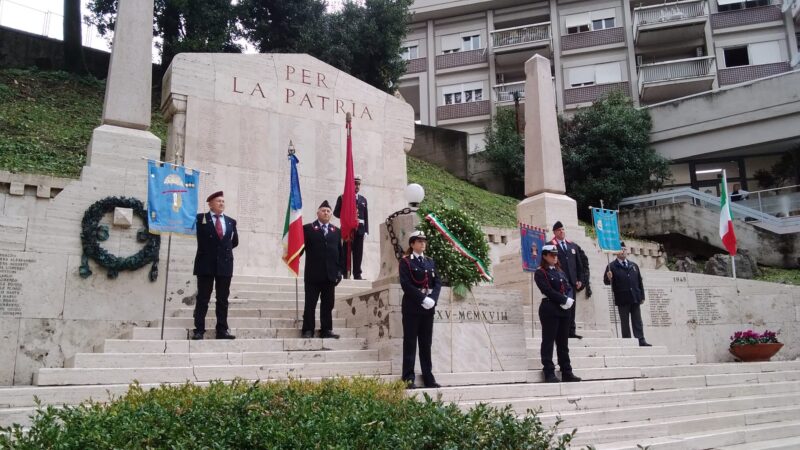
pixel 348 217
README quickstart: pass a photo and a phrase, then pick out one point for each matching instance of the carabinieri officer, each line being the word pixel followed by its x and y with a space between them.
pixel 554 315
pixel 421 285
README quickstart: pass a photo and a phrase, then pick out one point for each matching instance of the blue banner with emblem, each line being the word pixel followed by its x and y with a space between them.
pixel 532 239
pixel 171 198
pixel 606 226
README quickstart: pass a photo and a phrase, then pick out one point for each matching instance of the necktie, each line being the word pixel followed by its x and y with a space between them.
pixel 325 230
pixel 218 225
pixel 625 264
pixel 564 246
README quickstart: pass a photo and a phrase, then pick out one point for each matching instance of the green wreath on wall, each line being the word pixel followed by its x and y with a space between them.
pixel 92 233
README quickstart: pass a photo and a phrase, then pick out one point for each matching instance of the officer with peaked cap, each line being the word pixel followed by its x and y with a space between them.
pixel 357 246
pixel 421 285
pixel 323 271
pixel 554 315
pixel 213 265
pixel 569 256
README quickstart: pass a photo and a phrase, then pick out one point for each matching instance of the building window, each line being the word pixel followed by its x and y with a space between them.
pixel 578 29
pixel 736 56
pixel 591 21
pixel 597 74
pixel 411 52
pixel 451 43
pixel 465 93
pixel 754 54
pixel 602 24
pixel 471 42
pixel 733 5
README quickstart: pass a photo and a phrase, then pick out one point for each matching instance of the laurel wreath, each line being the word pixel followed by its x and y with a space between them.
pixel 92 233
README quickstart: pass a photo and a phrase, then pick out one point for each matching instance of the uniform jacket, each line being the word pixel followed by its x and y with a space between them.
pixel 626 283
pixel 363 213
pixel 417 274
pixel 571 262
pixel 324 255
pixel 214 255
pixel 554 285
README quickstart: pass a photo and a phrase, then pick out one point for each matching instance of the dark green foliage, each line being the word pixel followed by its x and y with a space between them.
pixel 607 154
pixel 458 271
pixel 784 172
pixel 505 150
pixel 356 413
pixel 47 118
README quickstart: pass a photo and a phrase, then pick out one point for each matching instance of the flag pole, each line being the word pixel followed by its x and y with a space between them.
pixel 291 152
pixel 166 286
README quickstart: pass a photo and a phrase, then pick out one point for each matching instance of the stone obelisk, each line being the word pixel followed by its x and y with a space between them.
pixel 122 139
pixel 544 172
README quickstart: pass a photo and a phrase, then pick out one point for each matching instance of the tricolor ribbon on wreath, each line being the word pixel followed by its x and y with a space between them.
pixel 459 247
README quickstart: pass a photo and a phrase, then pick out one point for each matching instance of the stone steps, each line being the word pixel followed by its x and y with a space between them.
pixel 228 346
pixel 789 443
pixel 243 322
pixel 147 333
pixel 132 360
pixel 246 312
pixel 63 377
pixel 581 362
pixel 616 351
pixel 537 335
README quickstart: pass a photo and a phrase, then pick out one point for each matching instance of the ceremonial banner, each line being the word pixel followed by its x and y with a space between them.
pixel 293 239
pixel 532 239
pixel 726 217
pixel 171 198
pixel 606 225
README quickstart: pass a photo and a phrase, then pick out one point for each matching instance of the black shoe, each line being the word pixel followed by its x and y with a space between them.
pixel 328 335
pixel 308 334
pixel 410 384
pixel 575 336
pixel 569 378
pixel 551 378
pixel 225 335
pixel 358 277
pixel 433 385
pixel 644 343
pixel 197 336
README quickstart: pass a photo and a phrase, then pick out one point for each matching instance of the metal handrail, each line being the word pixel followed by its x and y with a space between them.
pixel 521 35
pixel 676 70
pixel 669 12
pixel 708 201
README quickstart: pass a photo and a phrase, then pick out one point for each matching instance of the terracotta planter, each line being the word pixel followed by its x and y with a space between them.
pixel 755 352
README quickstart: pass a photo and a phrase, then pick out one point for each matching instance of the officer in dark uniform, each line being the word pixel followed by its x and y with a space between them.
pixel 625 279
pixel 357 246
pixel 421 285
pixel 554 315
pixel 323 271
pixel 572 265
pixel 213 264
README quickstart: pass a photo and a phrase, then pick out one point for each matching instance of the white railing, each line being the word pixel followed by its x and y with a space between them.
pixel 676 70
pixel 669 12
pixel 521 35
pixel 779 202
pixel 505 92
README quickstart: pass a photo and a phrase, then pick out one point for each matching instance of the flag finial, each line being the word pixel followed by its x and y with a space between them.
pixel 291 147
pixel 349 117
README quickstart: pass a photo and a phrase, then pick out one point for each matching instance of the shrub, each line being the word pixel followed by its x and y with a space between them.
pixel 750 337
pixel 358 413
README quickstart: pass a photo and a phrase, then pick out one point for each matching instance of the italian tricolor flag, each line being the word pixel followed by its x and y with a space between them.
pixel 293 240
pixel 726 218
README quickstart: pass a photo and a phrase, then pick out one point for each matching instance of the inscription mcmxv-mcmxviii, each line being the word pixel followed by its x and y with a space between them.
pixel 306 98
pixel 472 316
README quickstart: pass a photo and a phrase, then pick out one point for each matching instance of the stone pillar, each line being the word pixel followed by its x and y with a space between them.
pixel 130 73
pixel 544 173
pixel 403 227
pixel 173 109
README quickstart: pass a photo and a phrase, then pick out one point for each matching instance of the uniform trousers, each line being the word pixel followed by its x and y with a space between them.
pixel 205 284
pixel 358 254
pixel 418 327
pixel 555 330
pixel 324 292
pixel 634 311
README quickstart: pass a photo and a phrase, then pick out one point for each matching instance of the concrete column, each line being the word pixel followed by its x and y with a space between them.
pixel 791 37
pixel 555 32
pixel 128 87
pixel 633 77
pixel 431 93
pixel 174 110
pixel 492 65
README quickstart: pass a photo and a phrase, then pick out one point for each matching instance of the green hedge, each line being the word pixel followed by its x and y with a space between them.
pixel 358 413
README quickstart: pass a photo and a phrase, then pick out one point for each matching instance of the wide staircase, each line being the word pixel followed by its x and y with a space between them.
pixel 631 395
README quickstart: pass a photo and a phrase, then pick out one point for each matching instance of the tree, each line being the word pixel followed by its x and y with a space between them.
pixel 784 172
pixel 183 25
pixel 607 154
pixel 73 40
pixel 362 40
pixel 505 151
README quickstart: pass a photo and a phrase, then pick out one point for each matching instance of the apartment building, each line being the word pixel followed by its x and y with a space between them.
pixel 466 57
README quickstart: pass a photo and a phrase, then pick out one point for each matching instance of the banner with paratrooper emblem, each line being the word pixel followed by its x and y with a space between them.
pixel 172 198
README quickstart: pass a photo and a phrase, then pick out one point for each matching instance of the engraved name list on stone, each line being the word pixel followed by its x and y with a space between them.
pixel 658 300
pixel 707 312
pixel 10 286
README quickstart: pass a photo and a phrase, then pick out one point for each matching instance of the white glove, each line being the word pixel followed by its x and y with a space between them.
pixel 568 305
pixel 428 303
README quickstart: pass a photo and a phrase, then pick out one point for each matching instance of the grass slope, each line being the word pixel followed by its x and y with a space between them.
pixel 47 118
pixel 442 188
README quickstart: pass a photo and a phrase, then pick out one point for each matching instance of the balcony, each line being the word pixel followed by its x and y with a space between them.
pixel 458 59
pixel 462 110
pixel 521 38
pixel 504 93
pixel 672 22
pixel 748 16
pixel 674 79
pixel 417 65
pixel 592 38
pixel 742 74
pixel 589 94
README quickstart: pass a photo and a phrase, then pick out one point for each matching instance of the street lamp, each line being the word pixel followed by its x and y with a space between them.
pixel 414 195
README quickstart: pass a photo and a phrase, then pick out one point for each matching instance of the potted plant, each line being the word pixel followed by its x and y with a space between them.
pixel 750 346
